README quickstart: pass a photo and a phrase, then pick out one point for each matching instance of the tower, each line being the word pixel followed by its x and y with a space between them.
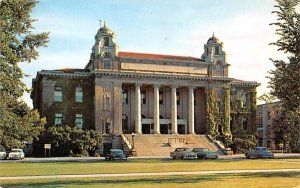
pixel 104 50
pixel 216 57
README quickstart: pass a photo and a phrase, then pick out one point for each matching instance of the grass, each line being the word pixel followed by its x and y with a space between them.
pixel 253 180
pixel 56 168
pixel 256 180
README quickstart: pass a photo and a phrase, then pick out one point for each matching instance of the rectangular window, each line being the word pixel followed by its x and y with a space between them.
pixel 58 119
pixel 217 52
pixel 178 98
pixel 106 41
pixel 106 63
pixel 259 119
pixel 78 94
pixel 125 96
pixel 143 97
pixel 161 97
pixel 58 95
pixel 79 121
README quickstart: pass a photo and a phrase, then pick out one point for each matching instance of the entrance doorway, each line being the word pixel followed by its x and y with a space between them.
pixel 181 129
pixel 164 128
pixel 146 128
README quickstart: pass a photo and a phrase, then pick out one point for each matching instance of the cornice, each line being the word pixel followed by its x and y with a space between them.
pixel 159 76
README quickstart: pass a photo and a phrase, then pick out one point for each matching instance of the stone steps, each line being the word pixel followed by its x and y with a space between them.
pixel 162 145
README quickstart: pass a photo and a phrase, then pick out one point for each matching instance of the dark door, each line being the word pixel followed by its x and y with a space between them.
pixel 146 128
pixel 164 128
pixel 181 129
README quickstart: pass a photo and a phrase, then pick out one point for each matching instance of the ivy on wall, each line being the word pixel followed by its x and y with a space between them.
pixel 212 112
pixel 224 117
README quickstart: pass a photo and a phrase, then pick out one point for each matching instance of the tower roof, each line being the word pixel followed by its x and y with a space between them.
pixel 213 39
pixel 105 30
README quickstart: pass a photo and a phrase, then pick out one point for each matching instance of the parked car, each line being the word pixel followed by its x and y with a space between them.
pixel 259 152
pixel 16 154
pixel 115 154
pixel 205 153
pixel 183 153
pixel 2 153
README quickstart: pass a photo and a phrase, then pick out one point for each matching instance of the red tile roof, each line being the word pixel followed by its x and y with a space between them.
pixel 155 56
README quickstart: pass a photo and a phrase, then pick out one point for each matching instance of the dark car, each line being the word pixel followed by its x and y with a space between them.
pixel 205 153
pixel 259 152
pixel 115 154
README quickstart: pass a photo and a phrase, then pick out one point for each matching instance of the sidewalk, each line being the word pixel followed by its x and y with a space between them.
pixel 95 159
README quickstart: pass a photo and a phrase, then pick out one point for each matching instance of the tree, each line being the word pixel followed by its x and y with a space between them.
pixel 284 79
pixel 17 44
pixel 71 141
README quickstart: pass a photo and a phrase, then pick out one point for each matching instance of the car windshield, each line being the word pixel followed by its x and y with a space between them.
pixel 117 152
pixel 200 149
pixel 16 150
pixel 2 149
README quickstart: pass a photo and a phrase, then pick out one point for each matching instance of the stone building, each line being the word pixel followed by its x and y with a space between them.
pixel 128 92
pixel 266 114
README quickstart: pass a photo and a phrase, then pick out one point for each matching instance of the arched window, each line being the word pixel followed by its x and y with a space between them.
pixel 219 69
pixel 106 60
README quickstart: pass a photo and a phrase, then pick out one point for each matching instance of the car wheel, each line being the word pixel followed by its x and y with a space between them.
pixel 247 156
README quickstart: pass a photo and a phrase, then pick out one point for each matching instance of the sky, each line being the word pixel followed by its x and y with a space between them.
pixel 173 27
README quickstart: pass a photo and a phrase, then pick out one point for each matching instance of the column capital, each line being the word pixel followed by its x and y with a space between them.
pixel 174 86
pixel 157 85
pixel 138 84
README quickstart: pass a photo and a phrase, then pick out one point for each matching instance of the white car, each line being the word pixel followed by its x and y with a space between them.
pixel 16 154
pixel 2 153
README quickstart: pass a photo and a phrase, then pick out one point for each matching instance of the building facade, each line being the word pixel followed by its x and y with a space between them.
pixel 266 114
pixel 129 92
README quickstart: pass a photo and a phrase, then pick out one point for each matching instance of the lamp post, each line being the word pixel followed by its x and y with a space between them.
pixel 132 135
pixel 133 152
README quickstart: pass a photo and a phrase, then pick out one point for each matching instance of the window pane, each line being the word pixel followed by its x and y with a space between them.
pixel 58 95
pixel 106 41
pixel 78 94
pixel 58 119
pixel 79 121
pixel 106 63
pixel 125 97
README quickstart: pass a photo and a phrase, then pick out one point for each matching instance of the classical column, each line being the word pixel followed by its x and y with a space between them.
pixel 191 111
pixel 174 110
pixel 138 127
pixel 156 110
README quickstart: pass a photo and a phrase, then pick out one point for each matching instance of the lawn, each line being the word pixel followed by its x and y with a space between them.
pixel 56 168
pixel 256 180
pixel 253 180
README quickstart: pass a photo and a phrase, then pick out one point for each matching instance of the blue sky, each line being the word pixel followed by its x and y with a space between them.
pixel 173 27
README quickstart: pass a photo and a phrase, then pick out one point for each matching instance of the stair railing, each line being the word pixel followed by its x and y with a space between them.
pixel 126 141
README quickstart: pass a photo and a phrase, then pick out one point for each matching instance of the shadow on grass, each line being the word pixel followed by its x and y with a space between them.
pixel 129 181
pixel 269 175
